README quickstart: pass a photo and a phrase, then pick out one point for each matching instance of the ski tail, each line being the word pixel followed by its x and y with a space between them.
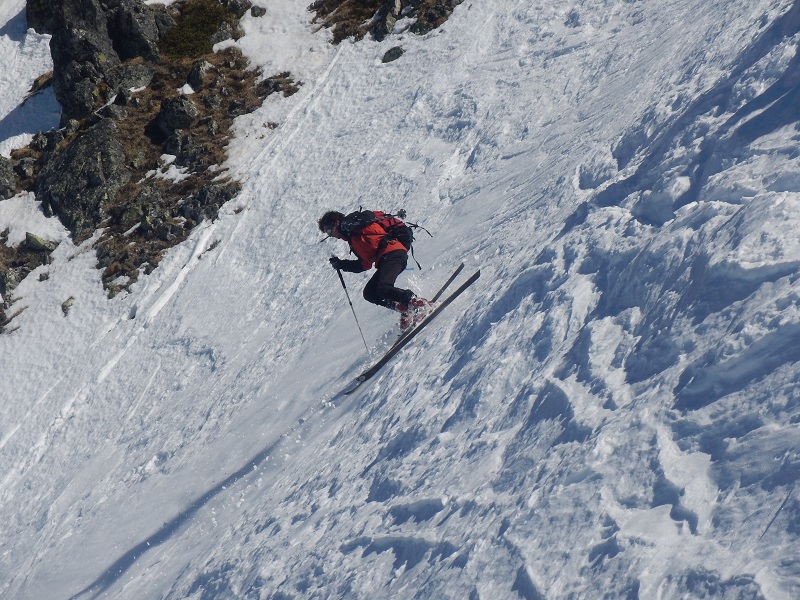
pixel 433 300
pixel 407 337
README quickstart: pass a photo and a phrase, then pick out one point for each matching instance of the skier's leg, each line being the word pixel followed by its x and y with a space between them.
pixel 381 289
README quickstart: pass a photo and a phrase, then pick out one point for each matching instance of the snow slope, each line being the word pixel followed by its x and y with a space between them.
pixel 612 411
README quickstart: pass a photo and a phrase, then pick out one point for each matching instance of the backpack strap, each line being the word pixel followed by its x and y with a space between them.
pixel 411 251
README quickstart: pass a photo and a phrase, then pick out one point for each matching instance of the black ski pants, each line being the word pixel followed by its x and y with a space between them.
pixel 380 289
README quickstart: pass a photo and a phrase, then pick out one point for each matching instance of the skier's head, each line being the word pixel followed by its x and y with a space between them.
pixel 328 222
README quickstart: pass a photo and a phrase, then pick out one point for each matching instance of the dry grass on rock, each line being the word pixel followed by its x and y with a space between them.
pixel 159 205
pixel 357 18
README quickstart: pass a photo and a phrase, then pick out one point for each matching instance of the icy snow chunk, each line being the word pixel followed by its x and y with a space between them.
pixel 765 232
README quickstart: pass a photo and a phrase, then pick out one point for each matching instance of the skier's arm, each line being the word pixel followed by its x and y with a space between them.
pixel 351 266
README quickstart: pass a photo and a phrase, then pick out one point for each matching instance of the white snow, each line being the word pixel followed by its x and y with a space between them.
pixel 25 55
pixel 612 410
pixel 23 214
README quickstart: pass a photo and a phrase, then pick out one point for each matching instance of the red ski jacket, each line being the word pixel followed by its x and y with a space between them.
pixel 367 246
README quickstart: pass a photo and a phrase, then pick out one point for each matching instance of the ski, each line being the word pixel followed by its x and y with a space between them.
pixel 436 297
pixel 407 337
pixel 448 282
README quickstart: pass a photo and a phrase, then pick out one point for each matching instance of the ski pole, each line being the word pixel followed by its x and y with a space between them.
pixel 346 293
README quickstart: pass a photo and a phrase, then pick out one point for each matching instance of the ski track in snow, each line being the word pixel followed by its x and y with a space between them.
pixel 610 411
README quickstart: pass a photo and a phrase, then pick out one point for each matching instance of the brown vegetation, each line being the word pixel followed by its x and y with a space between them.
pixel 154 206
pixel 152 213
pixel 347 18
pixel 357 18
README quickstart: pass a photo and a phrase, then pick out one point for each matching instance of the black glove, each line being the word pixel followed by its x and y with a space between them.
pixel 336 262
pixel 351 266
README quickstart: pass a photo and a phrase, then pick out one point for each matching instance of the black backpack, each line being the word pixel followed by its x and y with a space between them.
pixel 393 226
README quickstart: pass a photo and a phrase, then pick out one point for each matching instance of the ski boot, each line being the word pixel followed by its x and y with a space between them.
pixel 419 309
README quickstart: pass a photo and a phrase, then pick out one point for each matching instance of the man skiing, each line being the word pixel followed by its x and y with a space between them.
pixel 383 240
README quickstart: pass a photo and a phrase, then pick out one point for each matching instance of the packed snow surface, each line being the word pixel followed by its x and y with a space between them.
pixel 612 410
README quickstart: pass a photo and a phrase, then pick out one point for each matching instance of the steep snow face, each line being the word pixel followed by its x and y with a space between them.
pixel 611 411
pixel 25 56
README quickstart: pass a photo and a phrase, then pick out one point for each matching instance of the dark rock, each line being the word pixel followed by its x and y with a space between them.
pixel 212 100
pixel 67 305
pixel 71 127
pixel 237 7
pixel 430 17
pixel 168 232
pixel 212 126
pixel 8 281
pixel 82 52
pixel 39 142
pixel 207 202
pixel 392 54
pixel 132 216
pixel 176 113
pixel 130 76
pixel 40 15
pixel 238 107
pixel 258 11
pixel 164 21
pixel 199 73
pixel 149 198
pixel 90 40
pixel 114 111
pixel 383 23
pixel 225 32
pixel 80 180
pixel 125 97
pixel 36 244
pixel 46 141
pixel 133 29
pixel 8 179
pixel 26 167
pixel 184 148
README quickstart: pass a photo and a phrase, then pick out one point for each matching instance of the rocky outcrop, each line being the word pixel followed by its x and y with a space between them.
pixel 90 42
pixel 135 28
pixel 430 14
pixel 237 7
pixel 117 66
pixel 8 179
pixel 79 181
pixel 34 243
pixel 128 76
pixel 199 75
pixel 176 113
pixel 16 264
pixel 40 15
pixel 205 204
pixel 379 18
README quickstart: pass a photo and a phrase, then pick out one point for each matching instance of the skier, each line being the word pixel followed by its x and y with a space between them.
pixel 375 238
